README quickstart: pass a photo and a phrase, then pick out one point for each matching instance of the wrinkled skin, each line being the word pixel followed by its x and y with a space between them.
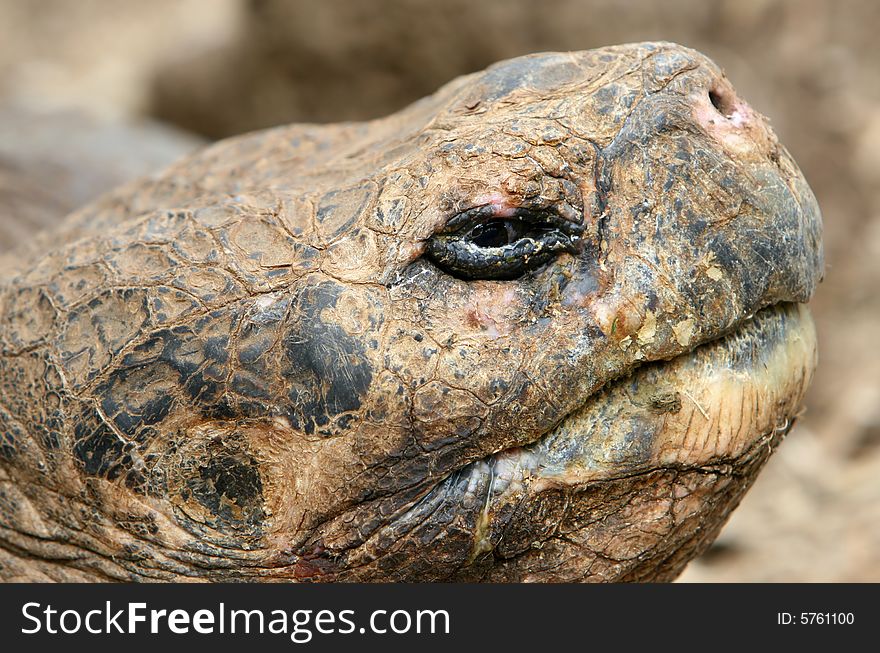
pixel 247 367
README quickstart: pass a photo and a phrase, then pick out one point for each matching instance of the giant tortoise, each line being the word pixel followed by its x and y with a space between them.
pixel 543 325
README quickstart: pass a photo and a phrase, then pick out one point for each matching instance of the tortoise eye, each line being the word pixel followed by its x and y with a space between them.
pixel 478 245
pixel 498 233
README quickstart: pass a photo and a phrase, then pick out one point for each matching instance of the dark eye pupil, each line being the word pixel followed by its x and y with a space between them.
pixel 493 234
pixel 478 245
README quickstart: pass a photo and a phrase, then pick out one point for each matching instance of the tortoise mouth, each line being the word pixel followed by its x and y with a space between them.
pixel 636 481
pixel 704 409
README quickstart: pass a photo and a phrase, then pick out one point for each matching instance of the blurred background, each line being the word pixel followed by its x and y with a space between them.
pixel 96 92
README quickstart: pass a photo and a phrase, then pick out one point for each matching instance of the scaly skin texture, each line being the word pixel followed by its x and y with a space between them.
pixel 246 367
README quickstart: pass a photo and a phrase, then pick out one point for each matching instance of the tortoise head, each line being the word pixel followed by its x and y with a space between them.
pixel 545 324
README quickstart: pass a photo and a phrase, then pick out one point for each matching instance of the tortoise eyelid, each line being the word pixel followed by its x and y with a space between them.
pixel 482 246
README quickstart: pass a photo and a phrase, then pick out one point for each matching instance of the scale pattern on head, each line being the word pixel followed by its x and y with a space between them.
pixel 252 363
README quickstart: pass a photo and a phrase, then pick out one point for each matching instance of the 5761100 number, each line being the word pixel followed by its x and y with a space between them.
pixel 815 618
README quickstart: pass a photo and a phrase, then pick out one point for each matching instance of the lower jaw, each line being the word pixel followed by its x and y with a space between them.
pixel 707 407
pixel 650 467
pixel 629 487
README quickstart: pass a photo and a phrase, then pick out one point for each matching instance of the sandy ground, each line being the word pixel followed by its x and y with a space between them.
pixel 218 67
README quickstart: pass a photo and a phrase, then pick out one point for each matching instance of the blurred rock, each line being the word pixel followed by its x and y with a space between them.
pixel 100 55
pixel 54 162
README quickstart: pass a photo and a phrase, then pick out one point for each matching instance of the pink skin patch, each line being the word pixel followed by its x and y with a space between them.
pixel 617 315
pixel 732 122
pixel 502 207
pixel 492 311
pixel 409 252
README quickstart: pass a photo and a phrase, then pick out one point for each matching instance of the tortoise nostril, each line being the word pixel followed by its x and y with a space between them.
pixel 722 101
